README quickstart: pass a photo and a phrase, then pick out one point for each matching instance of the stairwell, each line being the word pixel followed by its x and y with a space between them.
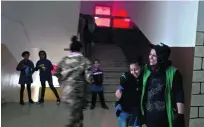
pixel 114 63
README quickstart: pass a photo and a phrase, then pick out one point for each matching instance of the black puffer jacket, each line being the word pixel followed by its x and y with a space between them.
pixel 131 91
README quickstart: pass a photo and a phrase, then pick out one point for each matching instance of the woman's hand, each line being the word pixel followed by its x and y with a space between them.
pixel 24 66
pixel 118 94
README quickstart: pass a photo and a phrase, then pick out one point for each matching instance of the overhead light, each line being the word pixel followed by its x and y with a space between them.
pixel 127 19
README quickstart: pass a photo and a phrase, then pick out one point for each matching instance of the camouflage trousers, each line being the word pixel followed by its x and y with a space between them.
pixel 76 112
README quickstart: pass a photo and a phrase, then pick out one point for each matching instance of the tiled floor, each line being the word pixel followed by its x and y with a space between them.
pixel 51 115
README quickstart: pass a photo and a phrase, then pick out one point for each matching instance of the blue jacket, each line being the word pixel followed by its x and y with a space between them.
pixel 45 67
pixel 26 73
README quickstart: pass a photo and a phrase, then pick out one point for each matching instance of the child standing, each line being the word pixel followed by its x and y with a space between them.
pixel 26 68
pixel 45 67
pixel 128 106
pixel 97 87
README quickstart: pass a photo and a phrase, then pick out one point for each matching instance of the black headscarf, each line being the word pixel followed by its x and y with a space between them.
pixel 163 53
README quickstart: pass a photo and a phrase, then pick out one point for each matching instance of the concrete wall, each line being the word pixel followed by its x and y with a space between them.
pixel 14 42
pixel 9 77
pixel 200 26
pixel 197 99
pixel 34 26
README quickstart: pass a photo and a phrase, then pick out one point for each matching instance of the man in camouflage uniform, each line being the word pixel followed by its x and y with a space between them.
pixel 74 73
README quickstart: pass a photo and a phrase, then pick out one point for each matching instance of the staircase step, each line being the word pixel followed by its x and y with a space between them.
pixel 118 67
pixel 113 74
pixel 114 64
pixel 110 88
pixel 111 81
pixel 114 71
pixel 103 66
pixel 111 78
pixel 115 68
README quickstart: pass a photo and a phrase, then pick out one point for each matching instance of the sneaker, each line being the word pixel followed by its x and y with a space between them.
pixel 41 101
pixel 58 101
pixel 22 103
pixel 31 101
pixel 92 107
pixel 104 106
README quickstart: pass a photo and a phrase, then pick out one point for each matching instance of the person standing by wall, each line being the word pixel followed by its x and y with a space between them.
pixel 26 68
pixel 162 99
pixel 74 73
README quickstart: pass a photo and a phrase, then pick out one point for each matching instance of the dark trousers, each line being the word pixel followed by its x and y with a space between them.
pixel 51 87
pixel 101 97
pixel 158 123
pixel 22 91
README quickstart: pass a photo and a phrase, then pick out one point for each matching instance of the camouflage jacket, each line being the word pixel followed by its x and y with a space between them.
pixel 73 73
